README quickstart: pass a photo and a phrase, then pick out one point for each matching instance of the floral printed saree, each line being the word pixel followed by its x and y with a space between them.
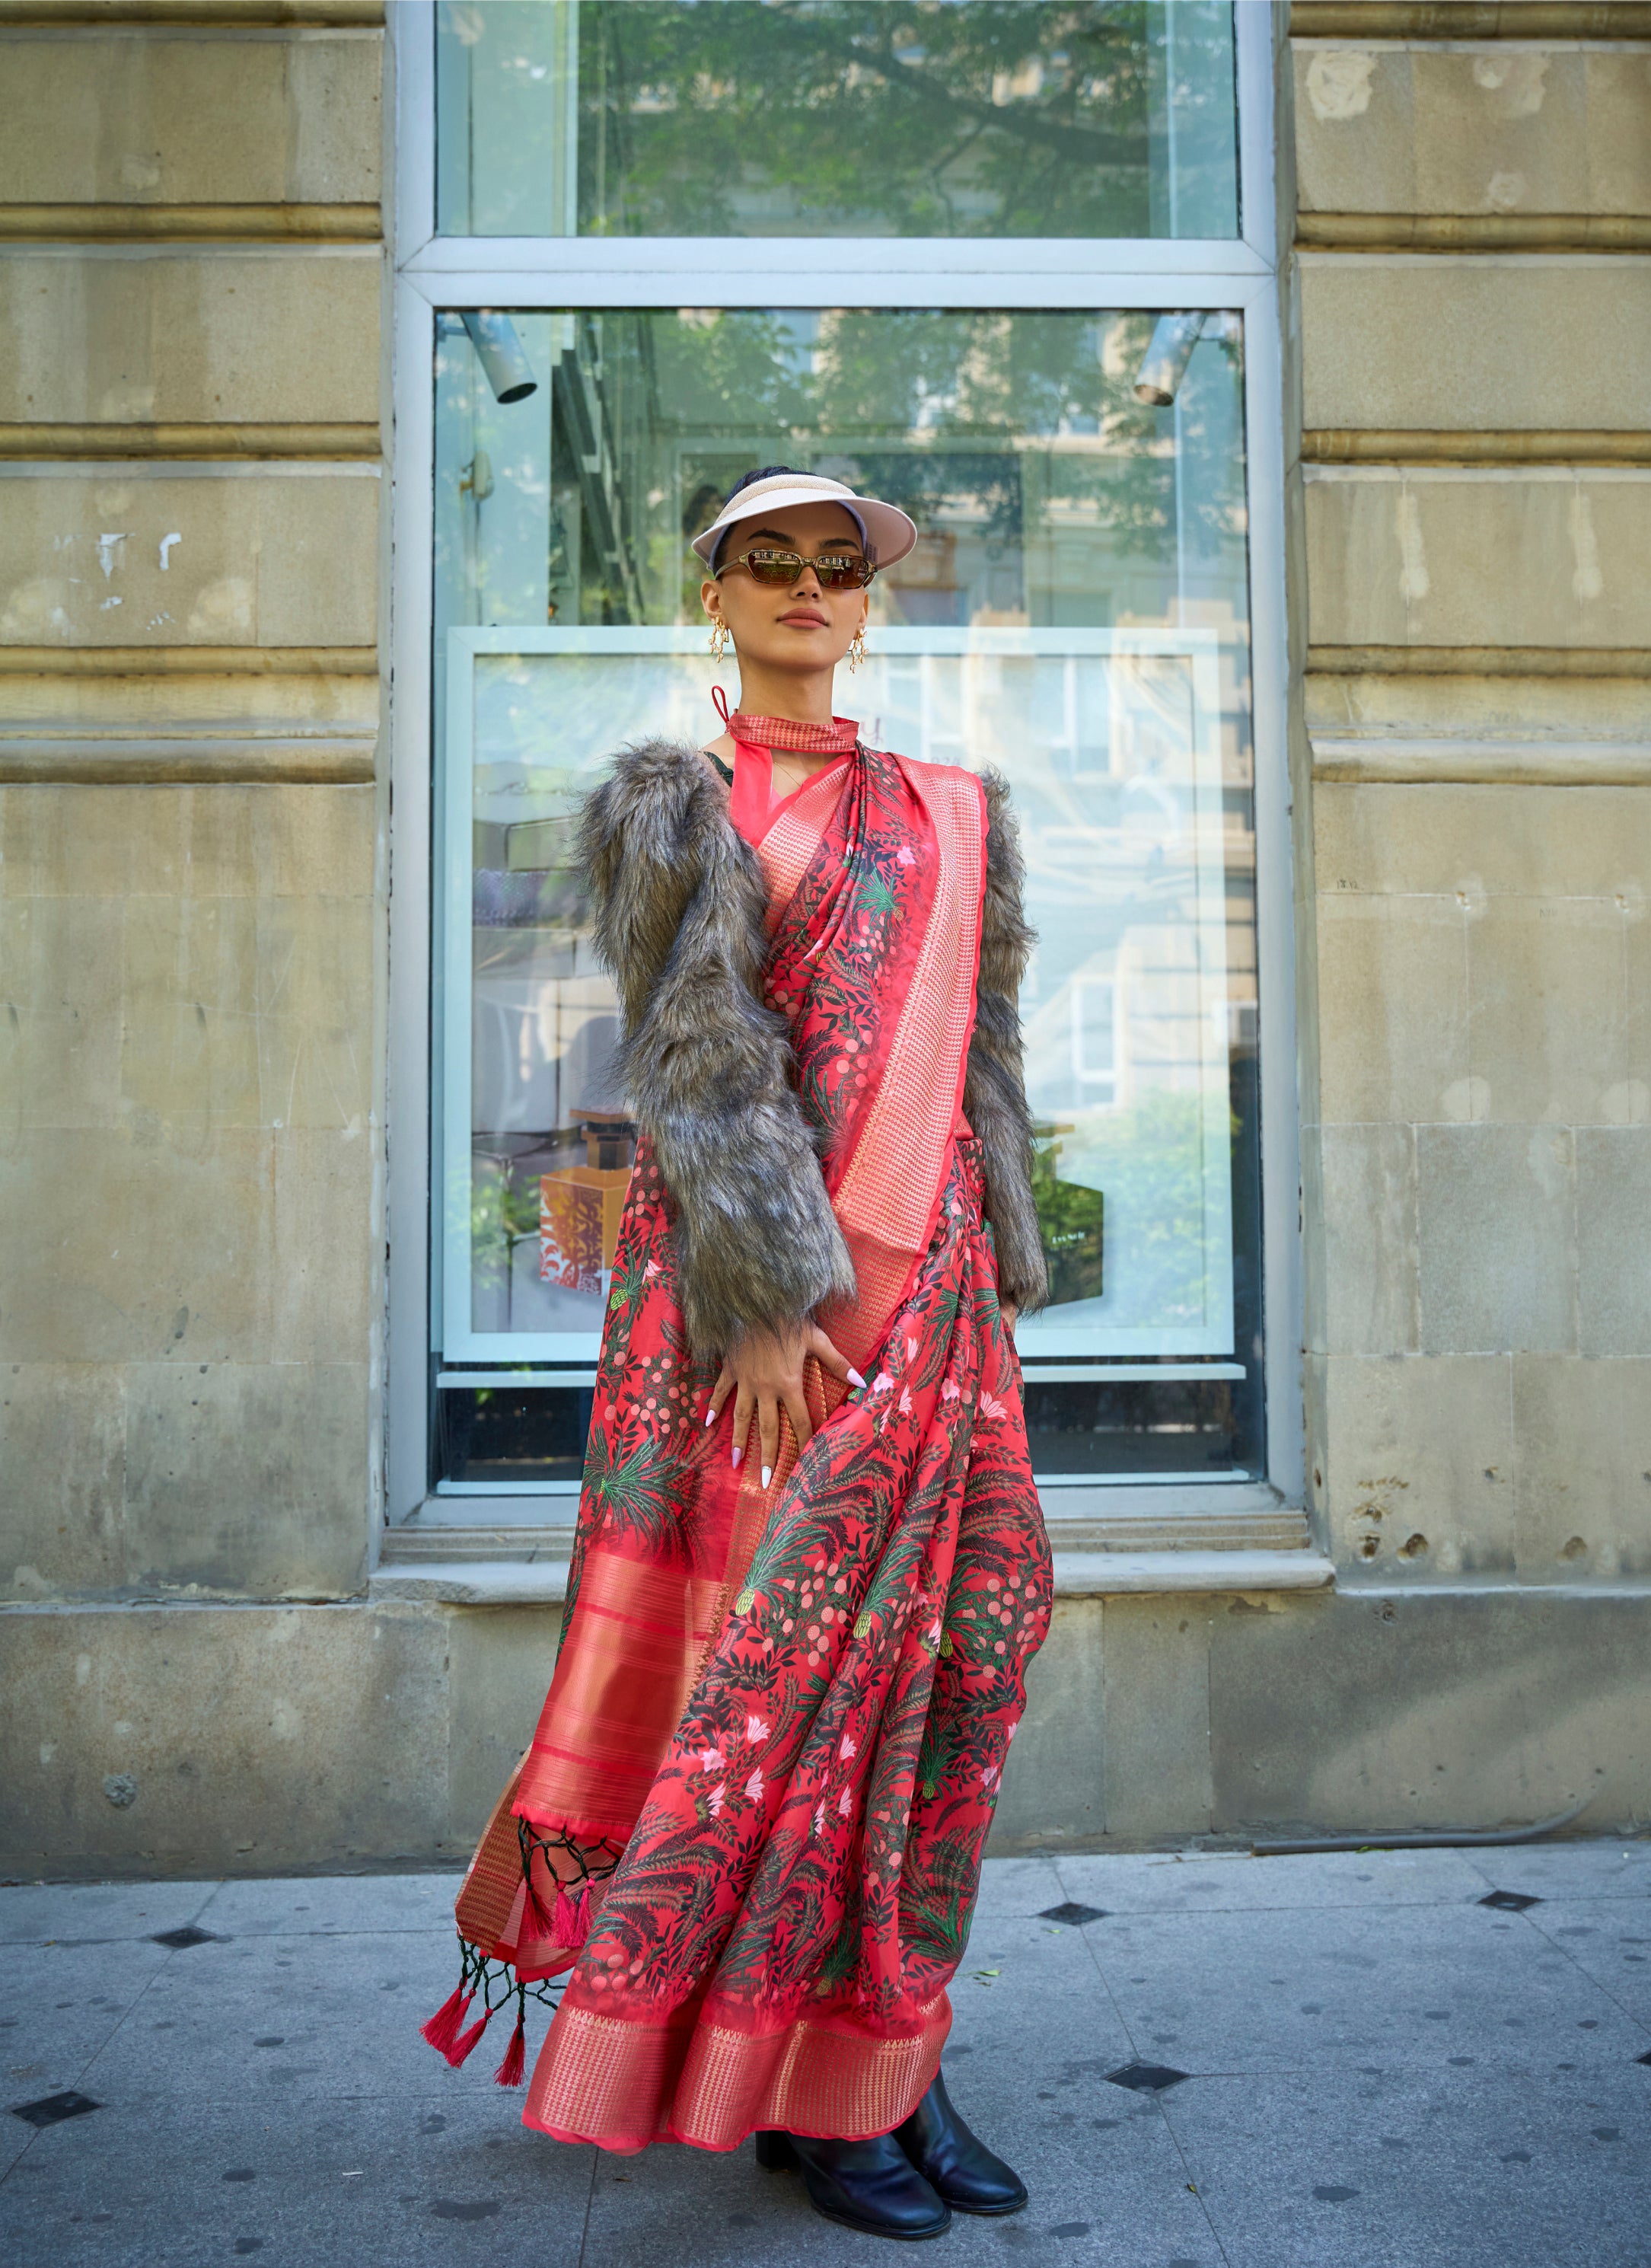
pixel 749 1827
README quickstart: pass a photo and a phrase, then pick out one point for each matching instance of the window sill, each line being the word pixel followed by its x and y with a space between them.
pixel 503 1551
pixel 1078 1575
pixel 1119 1516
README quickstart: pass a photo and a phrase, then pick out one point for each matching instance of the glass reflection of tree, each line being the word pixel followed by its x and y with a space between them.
pixel 876 117
pixel 950 414
pixel 1039 481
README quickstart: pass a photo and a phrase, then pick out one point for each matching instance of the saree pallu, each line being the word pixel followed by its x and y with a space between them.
pixel 772 1747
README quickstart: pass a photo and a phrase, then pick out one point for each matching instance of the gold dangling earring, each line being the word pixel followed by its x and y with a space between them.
pixel 857 647
pixel 719 641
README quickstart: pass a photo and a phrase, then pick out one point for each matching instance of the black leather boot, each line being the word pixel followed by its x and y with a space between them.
pixel 960 2168
pixel 872 2186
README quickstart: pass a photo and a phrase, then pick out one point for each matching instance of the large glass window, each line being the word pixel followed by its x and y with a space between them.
pixel 927 118
pixel 1076 612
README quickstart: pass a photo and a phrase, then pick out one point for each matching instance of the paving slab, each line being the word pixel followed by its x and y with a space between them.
pixel 60 2006
pixel 1028 1997
pixel 1385 2074
pixel 379 1904
pixel 1567 1870
pixel 30 1912
pixel 1211 1882
pixel 1018 1886
pixel 292 2018
pixel 1281 1991
pixel 1126 2200
pixel 376 2181
pixel 1029 2072
pixel 1609 1941
pixel 1422 2170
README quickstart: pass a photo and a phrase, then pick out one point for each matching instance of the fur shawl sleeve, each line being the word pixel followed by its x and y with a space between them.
pixel 995 1092
pixel 679 907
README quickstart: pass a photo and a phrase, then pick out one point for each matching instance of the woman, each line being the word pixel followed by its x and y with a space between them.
pixel 809 1567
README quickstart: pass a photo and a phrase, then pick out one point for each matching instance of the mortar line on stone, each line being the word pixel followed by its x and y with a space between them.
pixel 1599 1987
pixel 85 2071
pixel 33 2138
pixel 1160 2106
pixel 589 2199
pixel 1468 1020
pixel 207 1902
pixel 1210 1692
pixel 1514 1457
pixel 1203 2203
pixel 1095 1964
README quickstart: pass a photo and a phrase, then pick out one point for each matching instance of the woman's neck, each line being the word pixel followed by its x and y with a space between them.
pixel 782 692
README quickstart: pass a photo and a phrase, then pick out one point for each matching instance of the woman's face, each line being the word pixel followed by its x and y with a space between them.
pixel 798 626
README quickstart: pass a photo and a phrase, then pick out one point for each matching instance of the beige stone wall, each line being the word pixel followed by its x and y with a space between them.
pixel 322 1737
pixel 192 879
pixel 191 864
pixel 1478 557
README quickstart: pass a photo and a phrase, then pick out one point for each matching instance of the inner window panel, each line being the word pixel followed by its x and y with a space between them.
pixel 1075 613
pixel 821 118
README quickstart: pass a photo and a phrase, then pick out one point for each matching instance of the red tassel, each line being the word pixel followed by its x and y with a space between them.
pixel 573 1918
pixel 441 2029
pixel 466 2042
pixel 544 1926
pixel 512 2071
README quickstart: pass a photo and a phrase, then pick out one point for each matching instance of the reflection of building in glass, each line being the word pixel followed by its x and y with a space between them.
pixel 1047 493
pixel 1096 1016
pixel 1054 506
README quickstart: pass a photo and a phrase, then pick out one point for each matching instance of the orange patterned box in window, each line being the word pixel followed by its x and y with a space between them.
pixel 579 1209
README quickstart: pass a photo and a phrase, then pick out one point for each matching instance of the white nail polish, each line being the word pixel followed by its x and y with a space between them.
pixel 710 1418
pixel 738 1454
pixel 855 1378
pixel 767 1475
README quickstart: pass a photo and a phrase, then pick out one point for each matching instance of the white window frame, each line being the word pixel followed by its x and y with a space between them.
pixel 431 273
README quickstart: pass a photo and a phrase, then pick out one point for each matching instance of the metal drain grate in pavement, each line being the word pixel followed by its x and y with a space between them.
pixel 51 2107
pixel 1147 2078
pixel 1510 1901
pixel 178 1939
pixel 1074 1915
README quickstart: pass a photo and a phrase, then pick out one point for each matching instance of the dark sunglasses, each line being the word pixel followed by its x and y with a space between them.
pixel 836 570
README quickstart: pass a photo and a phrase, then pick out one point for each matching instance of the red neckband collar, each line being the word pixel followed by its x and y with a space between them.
pixel 840 738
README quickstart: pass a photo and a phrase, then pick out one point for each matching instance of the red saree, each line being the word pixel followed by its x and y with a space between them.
pixel 778 1719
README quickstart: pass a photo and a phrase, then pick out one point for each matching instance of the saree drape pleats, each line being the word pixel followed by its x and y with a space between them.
pixel 771 1749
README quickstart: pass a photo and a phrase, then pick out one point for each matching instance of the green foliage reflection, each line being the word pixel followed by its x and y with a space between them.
pixel 871 117
pixel 1013 440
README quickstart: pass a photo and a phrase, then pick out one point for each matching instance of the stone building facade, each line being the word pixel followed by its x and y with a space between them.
pixel 216 1655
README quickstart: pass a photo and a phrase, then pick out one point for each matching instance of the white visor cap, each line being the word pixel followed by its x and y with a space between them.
pixel 886 531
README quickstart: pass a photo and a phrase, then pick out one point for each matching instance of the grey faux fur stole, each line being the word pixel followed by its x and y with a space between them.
pixel 995 1086
pixel 679 906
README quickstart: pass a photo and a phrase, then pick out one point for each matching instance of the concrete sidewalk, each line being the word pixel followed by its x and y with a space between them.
pixel 1384 2072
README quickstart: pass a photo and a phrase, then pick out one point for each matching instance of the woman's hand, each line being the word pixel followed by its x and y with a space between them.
pixel 765 1375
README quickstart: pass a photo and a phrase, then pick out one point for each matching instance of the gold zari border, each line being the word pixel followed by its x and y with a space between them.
pixel 600 2078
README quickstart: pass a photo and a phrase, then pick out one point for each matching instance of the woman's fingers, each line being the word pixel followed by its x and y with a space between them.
pixel 828 1358
pixel 768 1431
pixel 796 1410
pixel 765 1377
